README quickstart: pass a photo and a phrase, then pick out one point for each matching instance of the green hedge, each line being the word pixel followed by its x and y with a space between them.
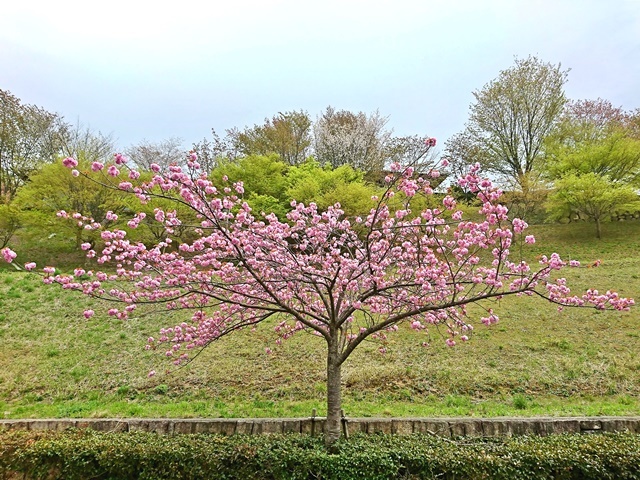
pixel 77 454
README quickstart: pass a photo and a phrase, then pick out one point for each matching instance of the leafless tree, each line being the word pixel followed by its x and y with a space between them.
pixel 163 153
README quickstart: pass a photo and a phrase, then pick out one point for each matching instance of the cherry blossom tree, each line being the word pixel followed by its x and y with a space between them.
pixel 343 279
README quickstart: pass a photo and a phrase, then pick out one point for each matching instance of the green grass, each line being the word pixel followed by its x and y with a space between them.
pixel 536 361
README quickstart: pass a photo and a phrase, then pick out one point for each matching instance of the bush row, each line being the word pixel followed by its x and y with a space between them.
pixel 81 454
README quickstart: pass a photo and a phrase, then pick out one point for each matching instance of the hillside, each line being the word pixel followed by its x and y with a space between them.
pixel 55 363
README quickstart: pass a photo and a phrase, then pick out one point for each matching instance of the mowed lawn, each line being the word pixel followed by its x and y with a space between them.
pixel 535 361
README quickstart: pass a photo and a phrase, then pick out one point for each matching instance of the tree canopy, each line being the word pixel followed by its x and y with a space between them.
pixel 29 137
pixel 510 119
pixel 594 162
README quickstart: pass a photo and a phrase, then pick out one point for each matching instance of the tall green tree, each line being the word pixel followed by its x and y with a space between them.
pixel 510 119
pixel 29 137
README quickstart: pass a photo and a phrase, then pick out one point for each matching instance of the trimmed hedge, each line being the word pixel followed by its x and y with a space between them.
pixel 82 454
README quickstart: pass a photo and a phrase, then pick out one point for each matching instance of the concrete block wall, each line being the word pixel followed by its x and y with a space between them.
pixel 448 427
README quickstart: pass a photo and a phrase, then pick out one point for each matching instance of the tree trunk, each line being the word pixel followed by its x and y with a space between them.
pixel 598 228
pixel 334 398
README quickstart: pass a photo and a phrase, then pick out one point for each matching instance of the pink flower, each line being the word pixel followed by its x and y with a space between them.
pixel 530 239
pixel 97 166
pixel 113 171
pixel 88 314
pixel 151 373
pixel 8 254
pixel 75 173
pixel 519 225
pixel 70 162
pixel 119 158
pixel 30 265
pixel 85 246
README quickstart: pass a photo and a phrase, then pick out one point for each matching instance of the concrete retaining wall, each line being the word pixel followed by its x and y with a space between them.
pixel 448 427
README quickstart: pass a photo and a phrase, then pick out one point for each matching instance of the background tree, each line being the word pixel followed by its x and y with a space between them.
pixel 415 150
pixel 342 137
pixel 594 162
pixel 29 137
pixel 264 178
pixel 217 151
pixel 52 190
pixel 592 196
pixel 162 153
pixel 510 119
pixel 9 223
pixel 344 281
pixel 85 144
pixel 588 121
pixel 270 185
pixel 286 134
pixel 326 186
pixel 632 123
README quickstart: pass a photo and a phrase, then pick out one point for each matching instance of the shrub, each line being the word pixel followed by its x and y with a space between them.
pixel 77 454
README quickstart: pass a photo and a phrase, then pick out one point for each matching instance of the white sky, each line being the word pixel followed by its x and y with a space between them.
pixel 158 69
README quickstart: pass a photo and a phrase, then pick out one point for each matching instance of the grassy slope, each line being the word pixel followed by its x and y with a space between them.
pixel 54 363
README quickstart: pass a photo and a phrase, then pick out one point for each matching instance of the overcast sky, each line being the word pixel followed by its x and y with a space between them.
pixel 153 70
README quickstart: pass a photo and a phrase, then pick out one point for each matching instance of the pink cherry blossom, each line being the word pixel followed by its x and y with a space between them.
pixel 8 254
pixel 70 162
